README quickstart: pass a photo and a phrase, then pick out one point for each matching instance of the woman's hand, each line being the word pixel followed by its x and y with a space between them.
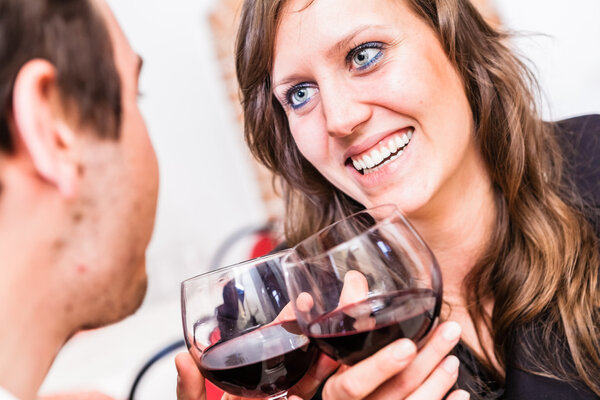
pixel 398 372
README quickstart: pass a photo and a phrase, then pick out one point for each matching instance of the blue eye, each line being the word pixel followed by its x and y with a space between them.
pixel 299 95
pixel 365 55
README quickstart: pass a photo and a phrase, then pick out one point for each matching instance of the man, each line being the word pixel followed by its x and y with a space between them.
pixel 78 182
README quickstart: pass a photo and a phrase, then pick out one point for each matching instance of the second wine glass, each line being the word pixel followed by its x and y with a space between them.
pixel 363 282
pixel 241 332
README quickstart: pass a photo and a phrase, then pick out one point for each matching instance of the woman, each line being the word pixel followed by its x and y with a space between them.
pixel 420 103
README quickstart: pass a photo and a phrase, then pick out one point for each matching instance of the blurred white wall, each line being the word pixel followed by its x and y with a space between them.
pixel 207 188
pixel 562 39
pixel 207 184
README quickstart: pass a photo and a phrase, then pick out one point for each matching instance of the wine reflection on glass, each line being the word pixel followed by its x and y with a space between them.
pixel 363 282
pixel 240 333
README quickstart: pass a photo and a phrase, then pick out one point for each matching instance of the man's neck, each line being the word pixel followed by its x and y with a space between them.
pixel 28 345
pixel 29 338
pixel 33 323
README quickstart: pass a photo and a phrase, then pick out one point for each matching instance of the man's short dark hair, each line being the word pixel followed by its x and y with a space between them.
pixel 72 35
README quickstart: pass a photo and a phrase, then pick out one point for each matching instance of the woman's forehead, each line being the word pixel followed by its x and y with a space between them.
pixel 318 15
pixel 320 24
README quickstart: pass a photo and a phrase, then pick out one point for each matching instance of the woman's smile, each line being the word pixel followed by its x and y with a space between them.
pixel 384 152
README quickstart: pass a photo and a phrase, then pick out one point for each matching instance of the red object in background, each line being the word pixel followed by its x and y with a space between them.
pixel 213 392
pixel 264 245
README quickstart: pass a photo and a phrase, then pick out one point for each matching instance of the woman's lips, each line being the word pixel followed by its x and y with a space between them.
pixel 384 152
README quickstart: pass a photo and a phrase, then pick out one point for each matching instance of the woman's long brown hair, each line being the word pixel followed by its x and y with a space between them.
pixel 541 267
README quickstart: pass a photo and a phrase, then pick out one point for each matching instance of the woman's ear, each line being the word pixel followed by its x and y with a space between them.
pixel 40 126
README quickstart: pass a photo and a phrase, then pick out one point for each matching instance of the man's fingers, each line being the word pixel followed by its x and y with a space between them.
pixel 315 376
pixel 190 383
pixel 355 289
pixel 365 377
pixel 304 302
pixel 78 396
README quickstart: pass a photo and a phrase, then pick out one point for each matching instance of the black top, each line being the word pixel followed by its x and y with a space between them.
pixel 580 140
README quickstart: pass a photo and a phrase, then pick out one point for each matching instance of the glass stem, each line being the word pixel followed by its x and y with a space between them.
pixel 282 396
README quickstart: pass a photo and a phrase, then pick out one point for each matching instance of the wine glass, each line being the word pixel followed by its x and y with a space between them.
pixel 363 282
pixel 240 333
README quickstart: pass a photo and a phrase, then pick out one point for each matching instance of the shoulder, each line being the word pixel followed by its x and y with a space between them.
pixel 524 385
pixel 579 138
pixel 581 124
pixel 582 136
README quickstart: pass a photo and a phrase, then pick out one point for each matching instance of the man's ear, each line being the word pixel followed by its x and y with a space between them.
pixel 39 119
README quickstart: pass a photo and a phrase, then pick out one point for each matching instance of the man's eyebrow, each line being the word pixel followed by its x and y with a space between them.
pixel 140 64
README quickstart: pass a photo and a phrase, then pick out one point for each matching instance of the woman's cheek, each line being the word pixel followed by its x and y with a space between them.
pixel 311 141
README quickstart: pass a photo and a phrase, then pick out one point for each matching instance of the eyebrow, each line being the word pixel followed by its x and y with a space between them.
pixel 140 64
pixel 343 43
pixel 340 46
pixel 285 82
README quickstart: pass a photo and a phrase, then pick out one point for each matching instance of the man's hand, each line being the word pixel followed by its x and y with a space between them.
pixel 190 383
pixel 78 396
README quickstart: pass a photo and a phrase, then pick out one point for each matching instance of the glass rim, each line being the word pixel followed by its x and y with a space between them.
pixel 394 213
pixel 278 254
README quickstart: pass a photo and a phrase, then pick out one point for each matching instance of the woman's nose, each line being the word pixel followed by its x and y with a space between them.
pixel 343 107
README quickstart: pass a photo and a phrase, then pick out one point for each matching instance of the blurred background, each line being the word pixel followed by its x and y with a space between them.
pixel 212 190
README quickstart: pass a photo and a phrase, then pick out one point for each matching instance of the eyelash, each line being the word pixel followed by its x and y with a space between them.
pixel 287 96
pixel 368 45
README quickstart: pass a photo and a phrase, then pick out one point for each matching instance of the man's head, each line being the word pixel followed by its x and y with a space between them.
pixel 73 37
pixel 78 175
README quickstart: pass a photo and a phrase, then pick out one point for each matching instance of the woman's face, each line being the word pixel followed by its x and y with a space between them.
pixel 374 103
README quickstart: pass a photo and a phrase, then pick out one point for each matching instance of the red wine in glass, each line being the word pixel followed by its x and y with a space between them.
pixel 266 361
pixel 354 332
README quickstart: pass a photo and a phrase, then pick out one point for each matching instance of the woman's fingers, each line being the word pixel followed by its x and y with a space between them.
pixel 427 368
pixel 360 380
pixel 190 383
pixel 439 382
pixel 459 395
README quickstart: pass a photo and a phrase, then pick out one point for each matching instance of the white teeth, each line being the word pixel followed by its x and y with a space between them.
pixel 385 152
pixel 392 146
pixel 374 160
pixel 399 141
pixel 376 156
